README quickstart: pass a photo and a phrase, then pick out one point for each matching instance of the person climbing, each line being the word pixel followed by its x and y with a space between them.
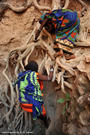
pixel 30 87
pixel 63 25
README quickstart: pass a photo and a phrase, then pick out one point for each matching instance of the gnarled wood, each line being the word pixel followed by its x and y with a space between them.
pixel 66 73
pixel 66 4
pixel 56 4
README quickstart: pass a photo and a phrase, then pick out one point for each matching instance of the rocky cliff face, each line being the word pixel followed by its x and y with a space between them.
pixel 14 29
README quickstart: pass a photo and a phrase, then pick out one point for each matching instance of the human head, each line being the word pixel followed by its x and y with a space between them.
pixel 32 65
pixel 47 23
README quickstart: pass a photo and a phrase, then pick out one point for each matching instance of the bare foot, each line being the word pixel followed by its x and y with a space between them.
pixel 60 53
pixel 70 57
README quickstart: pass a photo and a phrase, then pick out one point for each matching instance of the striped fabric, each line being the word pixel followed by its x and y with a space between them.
pixel 29 108
pixel 30 95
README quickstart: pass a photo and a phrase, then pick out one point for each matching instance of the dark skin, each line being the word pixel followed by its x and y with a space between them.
pixel 49 28
pixel 67 56
pixel 45 77
pixel 40 29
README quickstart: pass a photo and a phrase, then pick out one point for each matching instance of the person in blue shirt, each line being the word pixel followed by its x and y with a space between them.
pixel 30 87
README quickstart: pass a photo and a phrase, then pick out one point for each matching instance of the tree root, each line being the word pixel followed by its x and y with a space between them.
pixel 3 102
pixel 21 123
pixel 70 70
pixel 12 92
pixel 5 5
pixel 62 82
pixel 19 9
pixel 82 44
pixel 23 8
pixel 49 49
pixel 40 7
pixel 54 73
pixel 66 4
pixel 84 7
pixel 56 4
pixel 48 64
pixel 68 85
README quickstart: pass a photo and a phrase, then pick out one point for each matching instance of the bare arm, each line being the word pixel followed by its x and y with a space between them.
pixel 40 29
pixel 45 77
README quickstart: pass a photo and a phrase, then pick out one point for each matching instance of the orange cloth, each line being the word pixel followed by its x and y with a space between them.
pixel 27 107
